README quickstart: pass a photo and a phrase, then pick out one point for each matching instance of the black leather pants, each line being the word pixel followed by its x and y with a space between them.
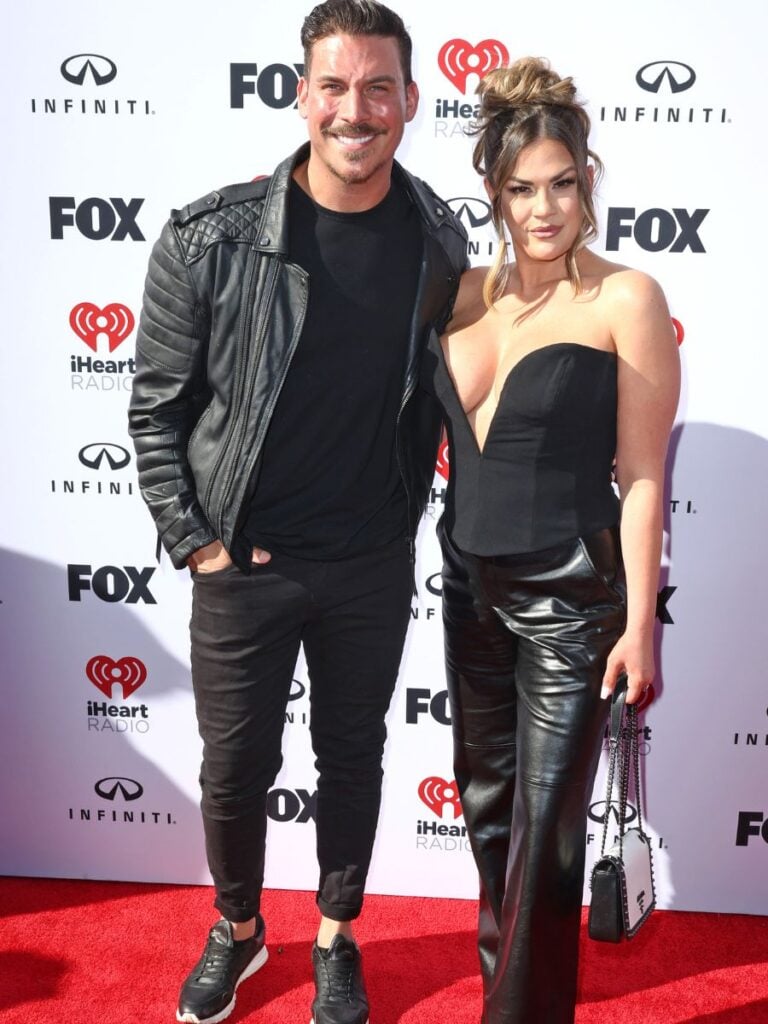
pixel 527 638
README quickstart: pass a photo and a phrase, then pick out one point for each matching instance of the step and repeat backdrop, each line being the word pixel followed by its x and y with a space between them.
pixel 114 114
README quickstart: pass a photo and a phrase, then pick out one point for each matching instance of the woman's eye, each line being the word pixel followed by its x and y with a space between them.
pixel 565 183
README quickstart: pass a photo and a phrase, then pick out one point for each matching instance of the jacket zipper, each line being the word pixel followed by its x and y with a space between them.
pixel 411 531
pixel 410 387
pixel 239 373
pixel 240 428
pixel 275 392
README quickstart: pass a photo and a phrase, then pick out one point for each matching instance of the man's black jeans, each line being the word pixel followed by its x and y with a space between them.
pixel 351 616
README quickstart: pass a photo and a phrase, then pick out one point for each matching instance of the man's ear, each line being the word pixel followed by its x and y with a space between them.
pixel 301 95
pixel 411 101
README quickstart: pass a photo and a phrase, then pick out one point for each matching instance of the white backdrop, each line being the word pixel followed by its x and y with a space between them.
pixel 97 728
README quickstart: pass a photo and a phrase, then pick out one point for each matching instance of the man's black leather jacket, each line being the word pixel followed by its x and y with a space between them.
pixel 223 312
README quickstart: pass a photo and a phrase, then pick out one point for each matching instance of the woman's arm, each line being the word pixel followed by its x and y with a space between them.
pixel 469 306
pixel 648 389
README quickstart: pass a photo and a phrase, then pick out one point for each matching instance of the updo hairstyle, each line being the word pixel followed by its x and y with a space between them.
pixel 518 105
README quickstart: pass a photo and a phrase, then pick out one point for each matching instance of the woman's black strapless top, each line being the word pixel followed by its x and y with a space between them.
pixel 544 474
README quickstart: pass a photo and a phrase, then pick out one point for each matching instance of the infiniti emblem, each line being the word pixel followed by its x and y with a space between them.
pixel 474 212
pixel 92 455
pixel 298 689
pixel 129 789
pixel 76 68
pixel 597 812
pixel 677 75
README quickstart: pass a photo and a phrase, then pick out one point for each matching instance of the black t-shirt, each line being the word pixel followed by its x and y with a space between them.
pixel 329 485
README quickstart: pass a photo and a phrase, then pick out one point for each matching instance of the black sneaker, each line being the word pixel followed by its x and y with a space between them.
pixel 208 994
pixel 340 991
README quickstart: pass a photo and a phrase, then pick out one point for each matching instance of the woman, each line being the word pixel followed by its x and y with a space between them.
pixel 550 367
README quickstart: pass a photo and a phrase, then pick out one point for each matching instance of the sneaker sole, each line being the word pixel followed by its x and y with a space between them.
pixel 191 1018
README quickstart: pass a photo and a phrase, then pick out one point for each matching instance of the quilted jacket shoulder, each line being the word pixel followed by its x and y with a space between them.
pixel 230 214
pixel 439 205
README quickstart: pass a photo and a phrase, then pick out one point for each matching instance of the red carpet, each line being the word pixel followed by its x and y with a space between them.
pixel 99 952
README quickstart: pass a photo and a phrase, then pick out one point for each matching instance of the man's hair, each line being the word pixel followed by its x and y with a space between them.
pixel 355 18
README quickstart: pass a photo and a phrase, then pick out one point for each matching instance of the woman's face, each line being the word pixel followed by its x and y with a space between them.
pixel 540 201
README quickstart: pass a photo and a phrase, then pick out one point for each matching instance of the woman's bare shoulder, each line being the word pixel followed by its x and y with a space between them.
pixel 622 286
pixel 637 314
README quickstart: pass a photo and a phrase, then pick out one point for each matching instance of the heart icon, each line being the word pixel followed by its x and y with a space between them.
pixel 458 59
pixel 443 466
pixel 104 673
pixel 90 324
pixel 436 793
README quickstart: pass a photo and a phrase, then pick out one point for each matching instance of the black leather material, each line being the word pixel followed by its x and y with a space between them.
pixel 208 992
pixel 222 316
pixel 606 914
pixel 527 637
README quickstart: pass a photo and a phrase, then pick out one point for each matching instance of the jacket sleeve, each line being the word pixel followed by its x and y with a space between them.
pixel 169 389
pixel 459 260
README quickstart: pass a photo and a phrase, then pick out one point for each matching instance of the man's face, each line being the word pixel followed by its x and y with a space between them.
pixel 356 104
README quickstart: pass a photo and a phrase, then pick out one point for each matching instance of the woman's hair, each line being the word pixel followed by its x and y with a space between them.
pixel 518 105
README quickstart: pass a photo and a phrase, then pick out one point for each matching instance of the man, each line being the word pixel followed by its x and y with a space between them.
pixel 286 450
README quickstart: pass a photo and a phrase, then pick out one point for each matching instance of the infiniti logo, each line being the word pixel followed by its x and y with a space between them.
pixel 93 455
pixel 101 69
pixel 678 76
pixel 128 789
pixel 298 689
pixel 475 213
pixel 597 812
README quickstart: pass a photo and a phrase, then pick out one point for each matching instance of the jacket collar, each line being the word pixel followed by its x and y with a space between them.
pixel 273 235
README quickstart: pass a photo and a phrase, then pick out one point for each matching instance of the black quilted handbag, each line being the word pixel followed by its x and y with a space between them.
pixel 623 891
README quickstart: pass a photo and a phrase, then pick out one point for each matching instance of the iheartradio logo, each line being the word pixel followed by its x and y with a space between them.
pixel 443 466
pixel 438 794
pixel 104 672
pixel 646 699
pixel 459 59
pixel 91 324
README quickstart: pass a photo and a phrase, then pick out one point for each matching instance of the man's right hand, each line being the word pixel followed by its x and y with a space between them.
pixel 211 558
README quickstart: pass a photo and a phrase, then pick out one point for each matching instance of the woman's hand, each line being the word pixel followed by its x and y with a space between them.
pixel 633 655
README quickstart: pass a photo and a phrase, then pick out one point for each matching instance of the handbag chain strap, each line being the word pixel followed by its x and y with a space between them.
pixel 635 758
pixel 624 755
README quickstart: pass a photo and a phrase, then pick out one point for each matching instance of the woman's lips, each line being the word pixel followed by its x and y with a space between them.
pixel 548 232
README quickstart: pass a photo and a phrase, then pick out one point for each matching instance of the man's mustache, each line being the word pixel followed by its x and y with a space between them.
pixel 352 131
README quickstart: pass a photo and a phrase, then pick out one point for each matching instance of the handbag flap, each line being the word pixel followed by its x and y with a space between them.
pixel 638 890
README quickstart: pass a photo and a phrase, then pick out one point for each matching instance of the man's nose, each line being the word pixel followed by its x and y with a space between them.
pixel 353 106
